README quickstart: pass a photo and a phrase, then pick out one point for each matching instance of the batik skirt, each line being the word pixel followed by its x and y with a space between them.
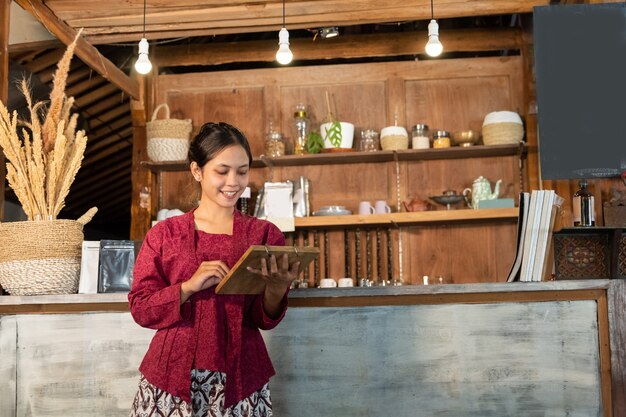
pixel 207 400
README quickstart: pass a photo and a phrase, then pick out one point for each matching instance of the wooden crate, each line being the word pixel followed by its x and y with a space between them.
pixel 584 253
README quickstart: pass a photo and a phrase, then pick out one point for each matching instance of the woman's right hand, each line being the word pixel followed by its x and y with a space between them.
pixel 209 273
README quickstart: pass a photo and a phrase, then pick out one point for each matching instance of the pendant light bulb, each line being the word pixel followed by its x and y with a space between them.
pixel 143 64
pixel 283 55
pixel 433 46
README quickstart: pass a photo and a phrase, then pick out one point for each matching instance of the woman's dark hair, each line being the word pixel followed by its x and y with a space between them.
pixel 212 139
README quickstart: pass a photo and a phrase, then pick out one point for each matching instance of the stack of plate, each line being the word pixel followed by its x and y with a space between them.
pixel 332 211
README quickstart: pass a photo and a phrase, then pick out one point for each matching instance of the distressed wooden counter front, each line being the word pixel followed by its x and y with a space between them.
pixel 532 349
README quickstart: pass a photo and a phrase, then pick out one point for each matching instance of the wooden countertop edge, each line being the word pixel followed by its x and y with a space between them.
pixel 402 295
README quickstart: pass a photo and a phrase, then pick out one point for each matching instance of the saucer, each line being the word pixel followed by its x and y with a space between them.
pixel 332 212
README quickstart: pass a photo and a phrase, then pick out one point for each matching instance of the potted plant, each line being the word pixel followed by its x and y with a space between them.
pixel 42 255
pixel 337 135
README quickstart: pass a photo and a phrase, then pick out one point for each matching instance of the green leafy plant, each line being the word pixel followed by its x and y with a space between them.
pixel 333 134
pixel 314 143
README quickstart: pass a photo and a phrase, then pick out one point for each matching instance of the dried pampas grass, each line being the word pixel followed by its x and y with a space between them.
pixel 43 155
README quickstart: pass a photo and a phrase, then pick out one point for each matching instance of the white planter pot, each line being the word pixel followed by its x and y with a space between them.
pixel 347 135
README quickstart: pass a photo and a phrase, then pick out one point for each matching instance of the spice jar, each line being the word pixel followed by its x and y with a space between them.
pixel 441 139
pixel 274 144
pixel 369 140
pixel 420 137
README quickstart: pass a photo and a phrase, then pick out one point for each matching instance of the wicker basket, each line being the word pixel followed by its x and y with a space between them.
pixel 502 133
pixel 168 139
pixel 394 143
pixel 41 257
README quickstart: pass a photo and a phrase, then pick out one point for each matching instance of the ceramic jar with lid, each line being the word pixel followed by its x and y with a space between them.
pixel 394 138
pixel 441 139
pixel 421 138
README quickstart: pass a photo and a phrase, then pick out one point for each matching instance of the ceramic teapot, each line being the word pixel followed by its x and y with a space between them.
pixel 416 205
pixel 481 190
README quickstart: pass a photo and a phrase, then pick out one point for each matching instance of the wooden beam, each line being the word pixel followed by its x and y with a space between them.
pixel 105 184
pixel 113 138
pixel 34 46
pixel 87 52
pixel 47 60
pixel 88 180
pixel 104 118
pixel 142 181
pixel 5 14
pixel 306 14
pixel 357 46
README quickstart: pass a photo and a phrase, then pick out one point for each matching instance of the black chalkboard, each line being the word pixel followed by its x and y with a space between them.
pixel 580 62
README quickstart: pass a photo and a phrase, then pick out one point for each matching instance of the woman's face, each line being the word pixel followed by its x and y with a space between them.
pixel 224 178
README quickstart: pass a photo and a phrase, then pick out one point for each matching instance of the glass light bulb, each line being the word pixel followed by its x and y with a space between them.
pixel 433 46
pixel 143 64
pixel 283 55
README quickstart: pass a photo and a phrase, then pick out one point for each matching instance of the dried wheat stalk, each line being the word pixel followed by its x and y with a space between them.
pixel 43 162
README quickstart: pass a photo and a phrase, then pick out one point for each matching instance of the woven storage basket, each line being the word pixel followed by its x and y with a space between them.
pixel 42 257
pixel 168 139
pixel 505 133
pixel 393 143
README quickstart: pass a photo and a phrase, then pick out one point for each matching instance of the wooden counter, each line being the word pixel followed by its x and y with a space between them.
pixel 548 348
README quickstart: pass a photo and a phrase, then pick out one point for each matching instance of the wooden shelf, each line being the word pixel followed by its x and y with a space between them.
pixel 454 152
pixel 407 219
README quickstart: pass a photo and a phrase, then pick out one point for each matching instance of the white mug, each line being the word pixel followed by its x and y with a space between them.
pixel 365 208
pixel 345 282
pixel 328 283
pixel 381 207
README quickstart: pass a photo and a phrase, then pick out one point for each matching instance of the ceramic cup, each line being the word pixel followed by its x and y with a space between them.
pixel 365 207
pixel 345 282
pixel 328 283
pixel 381 207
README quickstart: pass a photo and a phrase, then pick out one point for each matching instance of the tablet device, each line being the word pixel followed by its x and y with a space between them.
pixel 241 281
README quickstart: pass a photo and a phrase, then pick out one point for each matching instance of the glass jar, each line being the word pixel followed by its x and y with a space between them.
pixel 301 127
pixel 274 143
pixel 369 140
pixel 441 139
pixel 421 138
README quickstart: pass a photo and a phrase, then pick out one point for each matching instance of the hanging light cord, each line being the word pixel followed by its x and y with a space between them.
pixel 144 18
pixel 283 13
pixel 432 13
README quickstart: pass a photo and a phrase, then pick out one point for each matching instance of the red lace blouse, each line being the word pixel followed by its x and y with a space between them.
pixel 209 331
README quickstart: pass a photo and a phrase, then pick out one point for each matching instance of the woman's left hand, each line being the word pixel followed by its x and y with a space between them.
pixel 277 278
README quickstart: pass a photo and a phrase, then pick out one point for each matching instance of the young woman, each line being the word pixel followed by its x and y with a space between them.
pixel 207 357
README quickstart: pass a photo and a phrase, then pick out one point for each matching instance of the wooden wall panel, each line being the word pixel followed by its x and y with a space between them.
pixel 450 94
pixel 457 104
pixel 331 184
pixel 241 107
pixel 461 253
pixel 360 103
pixel 430 178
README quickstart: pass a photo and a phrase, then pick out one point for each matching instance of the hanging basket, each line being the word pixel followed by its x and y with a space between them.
pixel 168 139
pixel 42 257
